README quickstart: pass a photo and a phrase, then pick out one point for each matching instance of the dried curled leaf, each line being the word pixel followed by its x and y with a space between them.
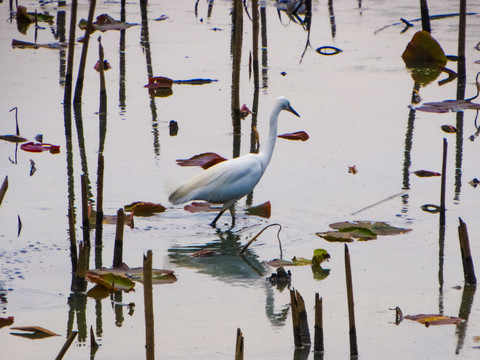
pixel 204 160
pixel 263 210
pixel 299 135
pixel 144 208
pixel 434 319
pixel 33 332
pixel 426 173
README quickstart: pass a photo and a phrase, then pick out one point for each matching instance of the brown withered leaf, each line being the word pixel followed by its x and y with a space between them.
pixel 33 332
pixel 159 82
pixel 263 210
pixel 426 173
pixel 299 135
pixel 6 321
pixel 143 208
pixel 13 138
pixel 434 319
pixel 450 129
pixel 204 160
pixel 352 170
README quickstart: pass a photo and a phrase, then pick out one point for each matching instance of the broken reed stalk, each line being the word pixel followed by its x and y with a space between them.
pixel 351 305
pixel 297 336
pixel 245 247
pixel 468 269
pixel 302 317
pixel 239 345
pixel 83 58
pixel 93 342
pixel 255 33
pixel 443 182
pixel 318 345
pixel 118 249
pixel 99 218
pixel 148 300
pixel 85 218
pixel 3 189
pixel 67 344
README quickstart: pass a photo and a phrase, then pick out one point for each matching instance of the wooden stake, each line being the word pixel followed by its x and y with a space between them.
pixel 351 305
pixel 99 219
pixel 425 16
pixel 468 269
pixel 118 249
pixel 239 345
pixel 148 297
pixel 318 337
pixel 297 337
pixel 303 322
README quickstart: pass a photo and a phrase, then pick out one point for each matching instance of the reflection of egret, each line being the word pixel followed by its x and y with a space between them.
pixel 229 181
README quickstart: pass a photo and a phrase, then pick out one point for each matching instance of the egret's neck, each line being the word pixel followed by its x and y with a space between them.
pixel 267 151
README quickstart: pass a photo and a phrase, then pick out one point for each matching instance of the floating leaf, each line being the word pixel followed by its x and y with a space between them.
pixel 244 111
pixel 263 210
pixel 159 82
pixel 299 135
pixel 13 138
pixel 29 45
pixel 159 276
pixel 204 160
pixel 143 208
pixel 200 206
pixel 40 147
pixel 360 230
pixel 352 170
pixel 450 129
pixel 24 16
pixel 6 321
pixel 106 65
pixel 423 48
pixel 319 256
pixel 474 182
pixel 99 292
pixel 33 332
pixel 434 319
pixel 446 106
pixel 110 281
pixel 104 23
pixel 294 262
pixel 426 173
pixel 194 81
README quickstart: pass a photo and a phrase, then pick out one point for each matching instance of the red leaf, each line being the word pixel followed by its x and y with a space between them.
pixel 159 82
pixel 263 210
pixel 39 147
pixel 244 111
pixel 200 207
pixel 299 135
pixel 204 160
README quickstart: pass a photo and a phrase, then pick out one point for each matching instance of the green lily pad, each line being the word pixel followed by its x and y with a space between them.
pixel 360 230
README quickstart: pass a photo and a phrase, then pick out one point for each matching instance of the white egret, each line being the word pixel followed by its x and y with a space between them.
pixel 229 181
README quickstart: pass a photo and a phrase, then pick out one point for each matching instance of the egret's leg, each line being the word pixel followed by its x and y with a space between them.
pixel 232 213
pixel 214 222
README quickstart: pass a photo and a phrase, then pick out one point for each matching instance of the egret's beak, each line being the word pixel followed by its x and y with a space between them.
pixel 292 111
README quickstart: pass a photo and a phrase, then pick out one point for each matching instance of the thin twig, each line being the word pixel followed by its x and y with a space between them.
pixel 261 231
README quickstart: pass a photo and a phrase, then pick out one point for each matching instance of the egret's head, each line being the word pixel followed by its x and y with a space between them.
pixel 284 104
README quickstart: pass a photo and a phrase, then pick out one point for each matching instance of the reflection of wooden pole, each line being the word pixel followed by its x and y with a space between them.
pixel 70 56
pixel 148 298
pixel 351 305
pixel 83 59
pixel 425 16
pixel 318 337
pixel 85 218
pixel 3 189
pixel 442 189
pixel 461 70
pixel 255 32
pixel 99 219
pixel 468 269
pixel 237 37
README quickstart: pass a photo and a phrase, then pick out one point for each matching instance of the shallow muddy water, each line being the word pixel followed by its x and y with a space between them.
pixel 354 107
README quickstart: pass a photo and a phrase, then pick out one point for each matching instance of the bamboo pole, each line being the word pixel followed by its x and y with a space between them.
pixel 351 305
pixel 85 218
pixel 443 182
pixel 468 269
